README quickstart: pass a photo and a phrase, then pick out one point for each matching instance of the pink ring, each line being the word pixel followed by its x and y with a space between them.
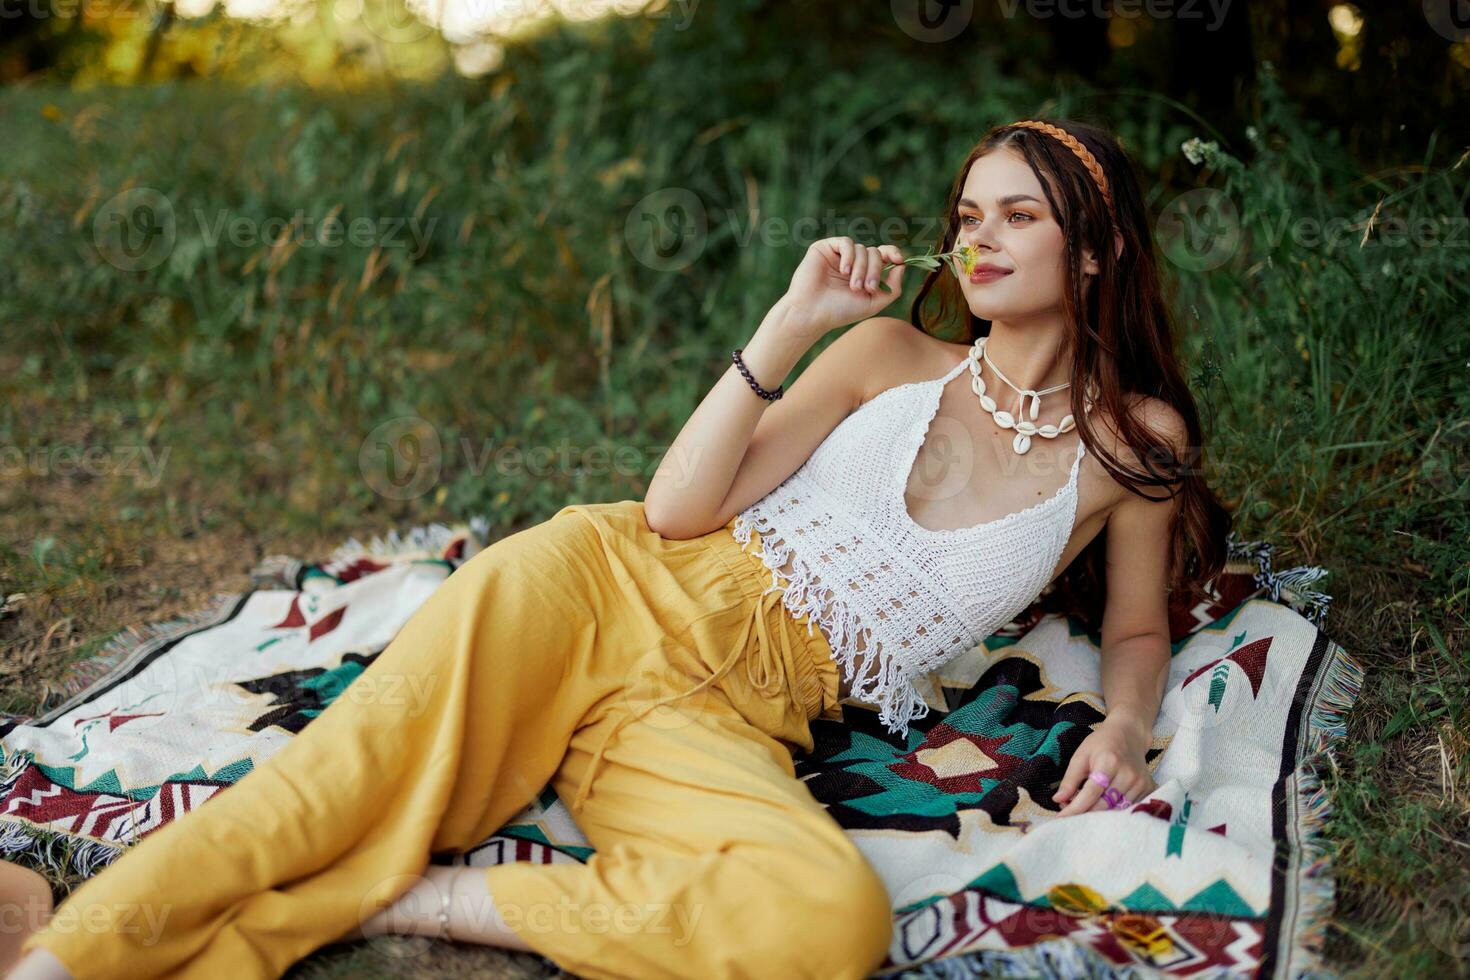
pixel 1099 777
pixel 1115 798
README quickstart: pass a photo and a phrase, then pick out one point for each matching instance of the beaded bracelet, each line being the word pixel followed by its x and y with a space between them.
pixel 769 396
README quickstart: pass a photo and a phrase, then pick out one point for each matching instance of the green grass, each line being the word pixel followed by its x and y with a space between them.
pixel 1333 377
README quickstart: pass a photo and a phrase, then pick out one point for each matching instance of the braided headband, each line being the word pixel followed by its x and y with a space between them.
pixel 1075 145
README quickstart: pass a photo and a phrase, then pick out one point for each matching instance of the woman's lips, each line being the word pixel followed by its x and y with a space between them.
pixel 988 275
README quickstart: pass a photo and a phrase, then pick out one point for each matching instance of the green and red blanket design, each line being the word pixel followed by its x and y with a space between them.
pixel 1221 871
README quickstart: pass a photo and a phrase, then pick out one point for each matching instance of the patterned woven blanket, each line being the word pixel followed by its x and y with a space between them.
pixel 1221 871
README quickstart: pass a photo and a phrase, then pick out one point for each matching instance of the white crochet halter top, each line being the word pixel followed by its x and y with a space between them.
pixel 908 597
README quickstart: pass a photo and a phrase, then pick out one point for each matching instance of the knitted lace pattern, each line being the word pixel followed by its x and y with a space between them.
pixel 864 570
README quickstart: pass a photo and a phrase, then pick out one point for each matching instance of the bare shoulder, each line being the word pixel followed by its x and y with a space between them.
pixel 893 352
pixel 1153 414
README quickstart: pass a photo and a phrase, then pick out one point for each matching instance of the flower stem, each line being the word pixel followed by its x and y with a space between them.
pixel 966 255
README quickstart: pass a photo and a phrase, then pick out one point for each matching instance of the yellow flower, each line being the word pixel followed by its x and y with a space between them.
pixel 969 258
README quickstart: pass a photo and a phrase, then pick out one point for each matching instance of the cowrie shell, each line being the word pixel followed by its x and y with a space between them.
pixel 1005 420
pixel 1021 443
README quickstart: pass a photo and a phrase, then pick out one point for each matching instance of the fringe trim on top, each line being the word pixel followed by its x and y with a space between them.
pixel 1292 583
pixel 892 692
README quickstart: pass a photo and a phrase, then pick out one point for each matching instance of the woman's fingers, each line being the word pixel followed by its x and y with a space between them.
pixel 873 258
pixel 875 262
pixel 894 276
pixel 1086 796
pixel 844 247
pixel 1131 789
pixel 859 267
pixel 862 265
pixel 1083 794
pixel 1077 770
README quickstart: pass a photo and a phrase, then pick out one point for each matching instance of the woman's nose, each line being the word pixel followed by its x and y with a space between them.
pixel 980 236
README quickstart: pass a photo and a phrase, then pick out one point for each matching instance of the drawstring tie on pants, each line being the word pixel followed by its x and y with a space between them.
pixel 764 671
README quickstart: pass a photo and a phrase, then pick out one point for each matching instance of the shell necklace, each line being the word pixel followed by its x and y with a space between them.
pixel 1025 427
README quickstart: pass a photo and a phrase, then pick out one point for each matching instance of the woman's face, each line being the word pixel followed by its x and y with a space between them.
pixel 1003 214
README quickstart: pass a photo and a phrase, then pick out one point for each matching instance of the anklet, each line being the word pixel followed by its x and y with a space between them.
pixel 444 909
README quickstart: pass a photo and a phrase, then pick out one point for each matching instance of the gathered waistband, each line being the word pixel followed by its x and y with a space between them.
pixel 815 667
pixel 786 645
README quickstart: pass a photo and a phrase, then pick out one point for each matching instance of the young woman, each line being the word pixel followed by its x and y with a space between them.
pixel 658 662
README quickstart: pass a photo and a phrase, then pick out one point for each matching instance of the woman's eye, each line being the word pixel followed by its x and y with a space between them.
pixel 1014 214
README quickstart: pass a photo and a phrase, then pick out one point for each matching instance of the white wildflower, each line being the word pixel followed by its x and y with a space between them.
pixel 1197 151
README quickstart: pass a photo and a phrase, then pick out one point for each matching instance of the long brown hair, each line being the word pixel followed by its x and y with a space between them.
pixel 1122 345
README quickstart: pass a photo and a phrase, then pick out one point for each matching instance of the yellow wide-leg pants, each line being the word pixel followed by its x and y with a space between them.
pixel 659 685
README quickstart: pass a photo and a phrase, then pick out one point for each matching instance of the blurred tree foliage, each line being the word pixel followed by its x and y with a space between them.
pixel 1389 78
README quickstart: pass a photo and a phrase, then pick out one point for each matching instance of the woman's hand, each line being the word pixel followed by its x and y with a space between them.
pixel 830 287
pixel 1117 747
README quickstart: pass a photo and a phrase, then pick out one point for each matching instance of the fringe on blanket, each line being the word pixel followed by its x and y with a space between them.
pixel 58 855
pixel 432 538
pixel 1342 679
pixel 1051 959
pixel 1293 583
pixel 282 571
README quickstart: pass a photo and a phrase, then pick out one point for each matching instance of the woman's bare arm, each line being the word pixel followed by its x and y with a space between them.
pixel 1135 641
pixel 737 446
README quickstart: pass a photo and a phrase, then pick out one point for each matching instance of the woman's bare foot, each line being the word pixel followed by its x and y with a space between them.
pixel 472 913
pixel 25 906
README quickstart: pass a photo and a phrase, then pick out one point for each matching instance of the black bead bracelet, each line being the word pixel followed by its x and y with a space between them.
pixel 769 396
